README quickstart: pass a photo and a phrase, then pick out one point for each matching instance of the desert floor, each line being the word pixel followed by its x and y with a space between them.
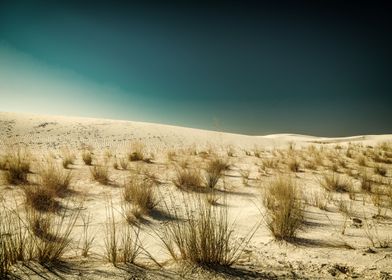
pixel 344 234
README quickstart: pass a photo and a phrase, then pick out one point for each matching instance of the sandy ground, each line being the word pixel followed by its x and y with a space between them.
pixel 330 245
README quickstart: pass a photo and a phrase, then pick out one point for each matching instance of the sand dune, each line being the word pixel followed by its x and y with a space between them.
pixel 332 243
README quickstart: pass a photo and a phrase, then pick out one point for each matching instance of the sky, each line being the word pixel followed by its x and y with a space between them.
pixel 309 67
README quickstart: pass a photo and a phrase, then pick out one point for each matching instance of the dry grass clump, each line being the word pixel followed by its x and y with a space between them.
pixel 121 241
pixel 362 161
pixel 137 152
pixel 319 199
pixel 310 164
pixel 294 165
pixel 86 238
pixel 16 164
pixel 40 198
pixel 87 157
pixel 37 236
pixel 124 163
pixel 141 193
pixel 55 179
pixel 230 151
pixel 51 234
pixel 186 178
pixel 245 175
pixel 68 158
pixel 271 163
pixel 100 173
pixel 214 171
pixel 366 181
pixel 171 155
pixel 335 182
pixel 202 235
pixel 380 170
pixel 15 241
pixel 284 208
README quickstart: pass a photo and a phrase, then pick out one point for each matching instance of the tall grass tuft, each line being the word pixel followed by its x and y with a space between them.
pixel 335 182
pixel 100 173
pixel 17 163
pixel 87 157
pixel 40 198
pixel 202 235
pixel 54 178
pixel 214 172
pixel 186 178
pixel 68 157
pixel 284 208
pixel 51 233
pixel 137 152
pixel 121 241
pixel 141 193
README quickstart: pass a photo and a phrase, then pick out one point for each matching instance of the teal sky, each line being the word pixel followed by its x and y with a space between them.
pixel 321 69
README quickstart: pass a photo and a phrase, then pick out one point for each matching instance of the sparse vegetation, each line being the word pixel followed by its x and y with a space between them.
pixel 186 178
pixel 40 198
pixel 100 173
pixel 17 165
pixel 87 157
pixel 204 237
pixel 335 182
pixel 137 152
pixel 285 209
pixel 68 157
pixel 55 179
pixel 124 163
pixel 141 193
pixel 214 172
pixel 380 170
pixel 86 239
pixel 366 182
pixel 294 165
pixel 121 241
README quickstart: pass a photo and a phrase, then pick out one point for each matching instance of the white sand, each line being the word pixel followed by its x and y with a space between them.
pixel 319 252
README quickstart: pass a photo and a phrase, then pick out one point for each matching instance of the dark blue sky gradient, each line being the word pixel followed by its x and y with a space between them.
pixel 313 67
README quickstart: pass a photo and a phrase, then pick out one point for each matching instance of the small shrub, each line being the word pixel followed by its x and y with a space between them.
pixel 285 210
pixel 100 173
